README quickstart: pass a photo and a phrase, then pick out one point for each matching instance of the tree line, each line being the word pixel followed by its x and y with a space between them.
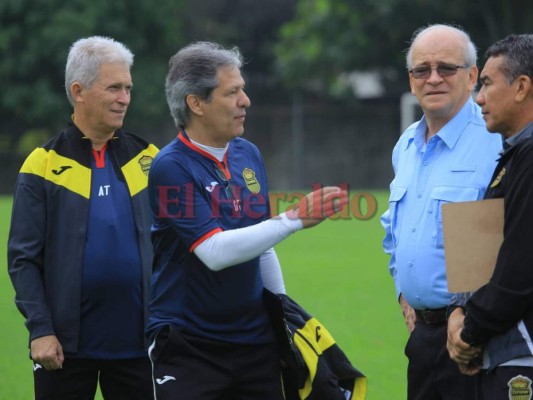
pixel 290 46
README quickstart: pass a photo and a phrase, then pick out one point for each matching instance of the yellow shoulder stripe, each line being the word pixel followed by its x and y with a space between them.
pixel 35 163
pixel 136 170
pixel 59 170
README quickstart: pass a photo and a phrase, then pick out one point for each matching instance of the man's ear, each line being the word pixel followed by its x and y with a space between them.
pixel 412 84
pixel 473 75
pixel 195 104
pixel 523 88
pixel 76 91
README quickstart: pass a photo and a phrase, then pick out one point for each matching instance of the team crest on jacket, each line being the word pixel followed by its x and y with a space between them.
pixel 519 388
pixel 145 162
pixel 498 178
pixel 251 182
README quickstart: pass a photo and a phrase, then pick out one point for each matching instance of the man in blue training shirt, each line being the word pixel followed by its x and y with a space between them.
pixel 447 156
pixel 213 239
pixel 79 248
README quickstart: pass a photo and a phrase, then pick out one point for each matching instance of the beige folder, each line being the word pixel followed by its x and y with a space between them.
pixel 473 234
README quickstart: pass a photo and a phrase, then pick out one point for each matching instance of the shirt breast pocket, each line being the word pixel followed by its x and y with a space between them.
pixel 396 195
pixel 441 195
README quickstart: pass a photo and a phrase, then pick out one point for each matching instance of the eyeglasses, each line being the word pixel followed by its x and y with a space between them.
pixel 232 193
pixel 230 189
pixel 424 71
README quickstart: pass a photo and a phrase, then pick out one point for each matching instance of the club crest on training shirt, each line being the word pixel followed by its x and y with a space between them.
pixel 519 388
pixel 145 162
pixel 498 178
pixel 251 182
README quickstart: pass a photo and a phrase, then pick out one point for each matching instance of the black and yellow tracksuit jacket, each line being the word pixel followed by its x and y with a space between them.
pixel 49 222
pixel 313 365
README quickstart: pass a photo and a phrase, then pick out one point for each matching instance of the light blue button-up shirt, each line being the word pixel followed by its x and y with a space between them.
pixel 454 165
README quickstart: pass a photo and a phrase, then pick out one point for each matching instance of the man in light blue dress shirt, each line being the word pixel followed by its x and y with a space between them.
pixel 447 156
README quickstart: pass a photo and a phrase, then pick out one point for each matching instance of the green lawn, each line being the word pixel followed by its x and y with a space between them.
pixel 337 271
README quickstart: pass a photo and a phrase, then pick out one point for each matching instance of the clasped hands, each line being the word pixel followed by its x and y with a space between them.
pixel 467 357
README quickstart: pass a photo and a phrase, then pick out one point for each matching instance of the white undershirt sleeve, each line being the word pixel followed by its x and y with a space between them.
pixel 236 246
pixel 271 272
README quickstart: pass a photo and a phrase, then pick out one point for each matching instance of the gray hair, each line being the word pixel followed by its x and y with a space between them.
pixel 517 51
pixel 87 55
pixel 193 70
pixel 470 52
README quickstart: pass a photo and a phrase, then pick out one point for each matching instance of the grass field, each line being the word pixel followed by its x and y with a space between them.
pixel 337 271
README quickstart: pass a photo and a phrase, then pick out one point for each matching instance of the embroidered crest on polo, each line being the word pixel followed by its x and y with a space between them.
pixel 520 388
pixel 498 178
pixel 145 162
pixel 251 182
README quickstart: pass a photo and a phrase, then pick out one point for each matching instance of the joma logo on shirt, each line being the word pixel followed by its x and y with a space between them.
pixel 61 169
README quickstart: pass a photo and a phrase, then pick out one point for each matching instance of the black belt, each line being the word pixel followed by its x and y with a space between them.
pixel 431 317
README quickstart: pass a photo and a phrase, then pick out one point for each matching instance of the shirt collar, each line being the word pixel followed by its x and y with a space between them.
pixel 222 164
pixel 523 134
pixel 449 133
